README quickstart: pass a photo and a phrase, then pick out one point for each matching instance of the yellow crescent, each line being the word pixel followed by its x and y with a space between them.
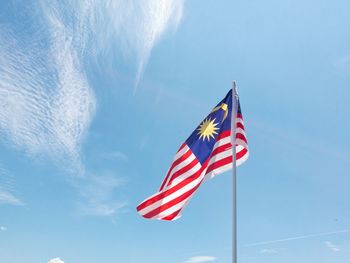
pixel 224 107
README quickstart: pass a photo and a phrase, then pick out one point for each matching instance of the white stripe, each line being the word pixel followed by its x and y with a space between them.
pixel 178 206
pixel 228 166
pixel 240 130
pixel 185 175
pixel 218 171
pixel 242 159
pixel 184 162
pixel 227 139
pixel 170 197
pixel 181 152
pixel 222 142
pixel 172 209
pixel 225 154
pixel 239 148
pixel 165 180
pixel 242 143
pixel 178 180
pixel 240 152
pixel 192 171
pixel 181 165
pixel 219 156
pixel 239 120
pixel 219 143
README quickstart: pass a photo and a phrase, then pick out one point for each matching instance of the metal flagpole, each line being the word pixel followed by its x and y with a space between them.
pixel 234 194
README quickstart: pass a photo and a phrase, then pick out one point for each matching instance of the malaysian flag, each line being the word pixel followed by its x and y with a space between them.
pixel 206 153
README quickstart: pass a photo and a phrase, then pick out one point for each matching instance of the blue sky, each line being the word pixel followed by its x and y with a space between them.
pixel 97 96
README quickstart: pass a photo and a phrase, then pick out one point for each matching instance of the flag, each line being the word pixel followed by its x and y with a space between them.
pixel 206 153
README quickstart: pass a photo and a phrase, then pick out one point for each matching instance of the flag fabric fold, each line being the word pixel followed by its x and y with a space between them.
pixel 206 153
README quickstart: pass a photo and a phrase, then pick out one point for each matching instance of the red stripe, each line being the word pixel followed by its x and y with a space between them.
pixel 175 201
pixel 181 147
pixel 221 149
pixel 171 203
pixel 175 163
pixel 241 153
pixel 171 190
pixel 241 136
pixel 158 202
pixel 223 134
pixel 183 170
pixel 226 160
pixel 240 125
pixel 219 163
pixel 173 215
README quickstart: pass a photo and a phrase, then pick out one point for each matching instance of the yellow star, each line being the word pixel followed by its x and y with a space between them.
pixel 207 129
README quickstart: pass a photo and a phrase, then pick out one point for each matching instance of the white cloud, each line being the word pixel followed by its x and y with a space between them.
pixel 7 189
pixel 331 246
pixel 200 259
pixel 150 20
pixel 98 194
pixel 132 26
pixel 55 260
pixel 3 228
pixel 9 198
pixel 46 103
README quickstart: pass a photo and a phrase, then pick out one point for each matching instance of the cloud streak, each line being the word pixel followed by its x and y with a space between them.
pixel 331 246
pixel 7 191
pixel 55 260
pixel 298 238
pixel 200 259
pixel 98 193
pixel 8 198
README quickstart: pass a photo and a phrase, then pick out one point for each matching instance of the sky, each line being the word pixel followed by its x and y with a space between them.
pixel 97 96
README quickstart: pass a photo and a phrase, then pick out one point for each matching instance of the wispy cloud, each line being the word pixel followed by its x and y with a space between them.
pixel 45 99
pixel 298 237
pixel 98 192
pixel 8 198
pixel 331 246
pixel 3 228
pixel 55 260
pixel 7 189
pixel 132 27
pixel 200 259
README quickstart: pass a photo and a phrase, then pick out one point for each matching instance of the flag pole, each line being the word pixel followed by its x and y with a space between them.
pixel 234 192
